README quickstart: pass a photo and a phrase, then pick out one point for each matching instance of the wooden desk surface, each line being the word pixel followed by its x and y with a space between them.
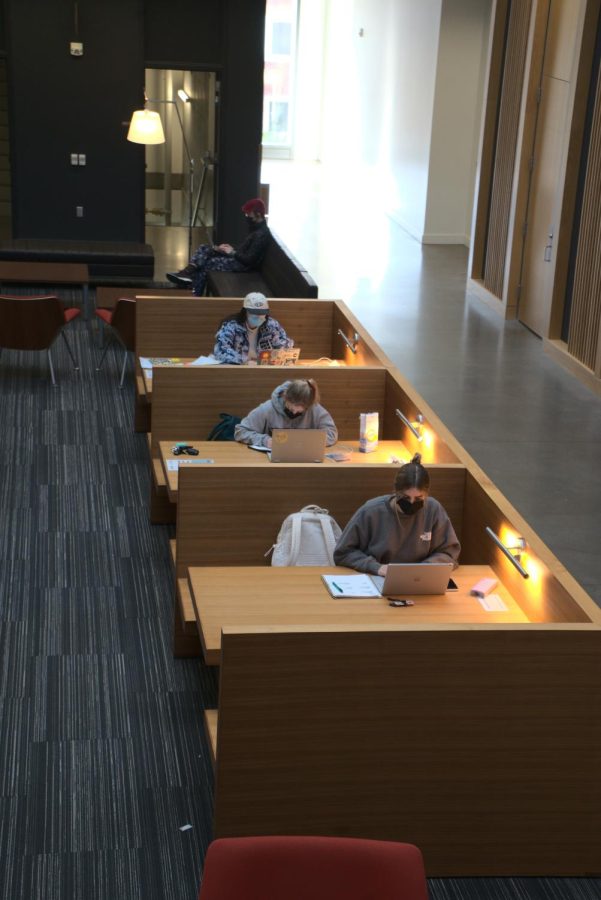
pixel 186 360
pixel 231 453
pixel 271 596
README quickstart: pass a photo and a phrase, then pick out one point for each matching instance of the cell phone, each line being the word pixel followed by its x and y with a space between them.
pixel 400 602
pixel 452 585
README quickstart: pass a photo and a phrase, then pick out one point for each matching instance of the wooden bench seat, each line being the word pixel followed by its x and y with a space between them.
pixel 280 275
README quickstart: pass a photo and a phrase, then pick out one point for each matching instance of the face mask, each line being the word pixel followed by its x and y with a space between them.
pixel 407 507
pixel 290 414
pixel 255 321
pixel 252 224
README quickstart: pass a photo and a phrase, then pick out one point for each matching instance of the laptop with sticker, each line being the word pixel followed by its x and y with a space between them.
pixel 298 445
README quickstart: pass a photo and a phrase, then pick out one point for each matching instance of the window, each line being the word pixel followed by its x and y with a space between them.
pixel 280 60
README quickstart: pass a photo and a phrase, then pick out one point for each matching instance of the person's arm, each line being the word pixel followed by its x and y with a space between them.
pixel 444 546
pixel 322 419
pixel 252 250
pixel 278 338
pixel 224 349
pixel 348 550
pixel 253 429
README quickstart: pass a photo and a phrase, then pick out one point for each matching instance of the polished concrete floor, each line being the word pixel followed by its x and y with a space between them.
pixel 532 426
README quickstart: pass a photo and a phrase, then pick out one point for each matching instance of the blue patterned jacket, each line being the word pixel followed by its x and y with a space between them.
pixel 232 340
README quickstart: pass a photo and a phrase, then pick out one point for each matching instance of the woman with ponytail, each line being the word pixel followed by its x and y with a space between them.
pixel 407 526
pixel 294 404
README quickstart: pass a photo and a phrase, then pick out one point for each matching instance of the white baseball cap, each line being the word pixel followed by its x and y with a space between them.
pixel 256 302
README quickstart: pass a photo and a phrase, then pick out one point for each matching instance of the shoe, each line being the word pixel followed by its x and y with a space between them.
pixel 180 280
pixel 184 276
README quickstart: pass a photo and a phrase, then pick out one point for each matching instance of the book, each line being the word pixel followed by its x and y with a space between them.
pixel 342 586
pixel 147 362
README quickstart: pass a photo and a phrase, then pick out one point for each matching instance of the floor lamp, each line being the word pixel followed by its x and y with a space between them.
pixel 146 127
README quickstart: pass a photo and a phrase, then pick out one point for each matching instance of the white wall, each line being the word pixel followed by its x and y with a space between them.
pixel 394 112
pixel 378 99
pixel 456 121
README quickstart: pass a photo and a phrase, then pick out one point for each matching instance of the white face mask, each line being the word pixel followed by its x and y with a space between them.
pixel 255 321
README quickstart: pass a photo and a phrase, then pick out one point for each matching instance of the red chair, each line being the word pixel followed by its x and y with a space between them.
pixel 312 868
pixel 122 320
pixel 34 323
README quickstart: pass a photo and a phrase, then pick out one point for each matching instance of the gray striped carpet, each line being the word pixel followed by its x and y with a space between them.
pixel 102 753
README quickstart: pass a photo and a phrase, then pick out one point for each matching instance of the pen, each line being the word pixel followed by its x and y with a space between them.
pixel 338 588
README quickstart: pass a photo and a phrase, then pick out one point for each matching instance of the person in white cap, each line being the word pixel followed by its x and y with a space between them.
pixel 245 334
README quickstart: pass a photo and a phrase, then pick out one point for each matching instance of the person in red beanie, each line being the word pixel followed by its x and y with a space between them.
pixel 224 257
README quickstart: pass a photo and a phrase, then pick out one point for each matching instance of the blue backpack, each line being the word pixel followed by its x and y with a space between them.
pixel 224 430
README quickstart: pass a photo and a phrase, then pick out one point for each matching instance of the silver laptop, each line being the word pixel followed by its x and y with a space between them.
pixel 298 445
pixel 414 578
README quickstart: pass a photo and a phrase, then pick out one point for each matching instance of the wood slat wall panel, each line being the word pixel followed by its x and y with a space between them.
pixel 506 144
pixel 479 745
pixel 186 326
pixel 186 403
pixel 216 528
pixel 585 318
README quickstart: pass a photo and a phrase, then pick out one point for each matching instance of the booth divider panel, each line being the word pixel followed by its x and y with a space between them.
pixel 187 402
pixel 187 326
pixel 225 518
pixel 481 746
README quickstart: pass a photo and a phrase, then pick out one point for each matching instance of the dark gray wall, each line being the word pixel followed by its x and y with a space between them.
pixel 59 104
pixel 225 36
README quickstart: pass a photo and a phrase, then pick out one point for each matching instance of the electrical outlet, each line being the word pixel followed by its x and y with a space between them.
pixel 74 159
pixel 82 159
pixel 79 212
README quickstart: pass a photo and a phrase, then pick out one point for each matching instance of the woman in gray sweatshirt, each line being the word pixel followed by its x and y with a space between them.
pixel 294 404
pixel 408 526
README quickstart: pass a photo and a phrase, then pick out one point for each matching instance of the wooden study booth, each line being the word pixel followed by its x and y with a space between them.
pixel 185 327
pixel 187 403
pixel 476 736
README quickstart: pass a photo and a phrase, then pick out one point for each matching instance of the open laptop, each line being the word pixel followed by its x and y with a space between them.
pixel 414 578
pixel 298 445
pixel 278 357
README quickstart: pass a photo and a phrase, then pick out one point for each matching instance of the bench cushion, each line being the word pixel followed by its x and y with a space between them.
pixel 108 258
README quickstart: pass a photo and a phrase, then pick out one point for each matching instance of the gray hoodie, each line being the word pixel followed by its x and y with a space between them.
pixel 376 535
pixel 258 425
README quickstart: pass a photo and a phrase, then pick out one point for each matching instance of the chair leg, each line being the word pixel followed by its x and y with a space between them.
pixel 123 368
pixel 53 379
pixel 106 346
pixel 73 360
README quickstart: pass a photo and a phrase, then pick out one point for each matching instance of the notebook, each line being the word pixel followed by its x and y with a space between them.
pixel 414 578
pixel 298 445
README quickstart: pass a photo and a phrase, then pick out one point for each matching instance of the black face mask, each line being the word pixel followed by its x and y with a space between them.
pixel 290 414
pixel 409 508
pixel 252 225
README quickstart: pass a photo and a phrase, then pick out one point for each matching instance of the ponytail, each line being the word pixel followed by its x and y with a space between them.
pixel 303 391
pixel 412 475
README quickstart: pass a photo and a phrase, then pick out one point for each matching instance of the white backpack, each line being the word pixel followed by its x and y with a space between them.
pixel 306 538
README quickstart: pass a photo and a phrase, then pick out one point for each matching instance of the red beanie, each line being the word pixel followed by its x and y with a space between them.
pixel 254 206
